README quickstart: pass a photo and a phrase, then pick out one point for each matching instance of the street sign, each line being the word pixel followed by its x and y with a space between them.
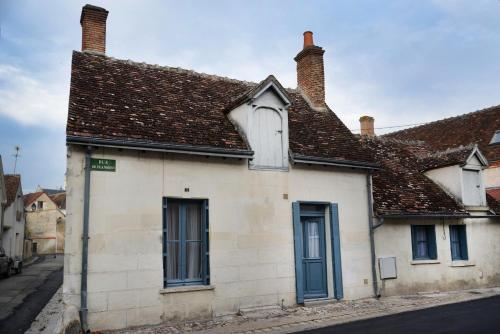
pixel 106 165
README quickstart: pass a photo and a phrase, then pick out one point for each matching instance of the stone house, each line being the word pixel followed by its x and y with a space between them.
pixel 435 226
pixel 45 221
pixel 191 195
pixel 13 219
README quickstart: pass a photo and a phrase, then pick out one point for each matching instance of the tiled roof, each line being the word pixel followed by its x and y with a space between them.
pixel 132 102
pixel 448 157
pixel 59 199
pixel 494 192
pixel 12 184
pixel 30 198
pixel 493 203
pixel 473 128
pixel 400 187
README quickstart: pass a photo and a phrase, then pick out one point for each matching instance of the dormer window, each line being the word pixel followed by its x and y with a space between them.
pixel 262 118
pixel 496 138
pixel 473 190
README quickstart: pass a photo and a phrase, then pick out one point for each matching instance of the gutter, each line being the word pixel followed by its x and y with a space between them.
pixel 85 242
pixel 156 147
pixel 372 232
pixel 297 158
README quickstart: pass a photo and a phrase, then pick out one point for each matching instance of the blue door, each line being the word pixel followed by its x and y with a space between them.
pixel 314 259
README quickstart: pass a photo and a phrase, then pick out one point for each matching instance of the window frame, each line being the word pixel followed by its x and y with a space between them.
pixel 461 241
pixel 431 249
pixel 205 272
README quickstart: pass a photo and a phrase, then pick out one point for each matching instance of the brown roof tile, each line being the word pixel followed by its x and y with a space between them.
pixel 59 199
pixel 122 100
pixel 29 198
pixel 473 128
pixel 12 184
pixel 400 188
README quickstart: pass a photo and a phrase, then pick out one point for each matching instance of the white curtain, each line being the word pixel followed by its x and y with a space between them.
pixel 193 241
pixel 422 242
pixel 313 239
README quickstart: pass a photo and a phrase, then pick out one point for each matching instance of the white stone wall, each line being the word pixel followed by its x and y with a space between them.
pixel 251 234
pixel 14 248
pixel 492 177
pixel 482 269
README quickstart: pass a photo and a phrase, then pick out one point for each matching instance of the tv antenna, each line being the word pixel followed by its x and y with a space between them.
pixel 16 156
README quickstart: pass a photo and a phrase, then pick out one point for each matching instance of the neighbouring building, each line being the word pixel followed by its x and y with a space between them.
pixel 191 195
pixel 481 128
pixel 13 220
pixel 3 198
pixel 45 221
pixel 436 228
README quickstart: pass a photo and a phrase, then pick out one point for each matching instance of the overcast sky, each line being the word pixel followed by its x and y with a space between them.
pixel 403 62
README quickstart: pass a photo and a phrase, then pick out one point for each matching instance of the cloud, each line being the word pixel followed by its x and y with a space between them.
pixel 30 101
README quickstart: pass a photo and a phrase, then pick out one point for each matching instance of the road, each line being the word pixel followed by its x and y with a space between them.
pixel 24 295
pixel 478 316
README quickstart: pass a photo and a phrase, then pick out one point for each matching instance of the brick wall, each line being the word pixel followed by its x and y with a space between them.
pixel 311 74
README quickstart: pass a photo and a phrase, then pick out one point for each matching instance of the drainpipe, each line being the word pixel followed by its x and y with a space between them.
pixel 85 242
pixel 372 231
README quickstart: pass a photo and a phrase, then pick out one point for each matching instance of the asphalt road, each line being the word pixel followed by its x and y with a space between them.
pixel 24 295
pixel 478 316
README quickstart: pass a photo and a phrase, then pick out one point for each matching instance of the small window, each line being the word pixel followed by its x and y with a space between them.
pixel 33 207
pixel 458 241
pixel 40 205
pixel 185 246
pixel 423 238
pixel 496 138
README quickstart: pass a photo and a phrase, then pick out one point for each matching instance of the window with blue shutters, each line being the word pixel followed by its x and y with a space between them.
pixel 423 238
pixel 185 242
pixel 458 243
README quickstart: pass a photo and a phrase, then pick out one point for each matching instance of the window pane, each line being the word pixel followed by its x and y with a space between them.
pixel 421 236
pixel 193 221
pixel 173 221
pixel 173 256
pixel 313 239
pixel 193 260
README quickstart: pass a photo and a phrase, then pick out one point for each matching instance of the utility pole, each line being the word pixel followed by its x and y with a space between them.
pixel 16 156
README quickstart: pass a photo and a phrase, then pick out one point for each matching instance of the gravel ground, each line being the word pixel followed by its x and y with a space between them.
pixel 301 318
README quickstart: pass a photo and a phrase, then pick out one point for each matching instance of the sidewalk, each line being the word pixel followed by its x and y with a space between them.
pixel 280 321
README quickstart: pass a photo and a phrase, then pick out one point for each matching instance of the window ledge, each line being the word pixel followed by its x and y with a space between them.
pixel 415 262
pixel 476 208
pixel 186 288
pixel 462 263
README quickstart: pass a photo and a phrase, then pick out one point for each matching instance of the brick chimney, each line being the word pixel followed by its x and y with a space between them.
pixel 93 21
pixel 367 126
pixel 310 71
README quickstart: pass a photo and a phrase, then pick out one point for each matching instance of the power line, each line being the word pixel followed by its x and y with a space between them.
pixel 393 127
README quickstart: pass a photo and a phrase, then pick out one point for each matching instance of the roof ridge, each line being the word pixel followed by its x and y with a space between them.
pixel 442 120
pixel 169 68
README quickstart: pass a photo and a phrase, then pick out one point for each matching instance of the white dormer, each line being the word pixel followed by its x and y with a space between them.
pixel 262 119
pixel 464 181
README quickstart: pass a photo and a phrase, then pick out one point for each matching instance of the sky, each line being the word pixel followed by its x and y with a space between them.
pixel 402 62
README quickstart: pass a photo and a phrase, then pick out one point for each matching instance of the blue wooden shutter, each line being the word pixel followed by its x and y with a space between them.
pixel 335 242
pixel 165 215
pixel 462 235
pixel 431 242
pixel 414 241
pixel 297 238
pixel 205 245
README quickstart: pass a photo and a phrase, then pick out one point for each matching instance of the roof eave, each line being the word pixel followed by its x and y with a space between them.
pixel 298 158
pixel 160 147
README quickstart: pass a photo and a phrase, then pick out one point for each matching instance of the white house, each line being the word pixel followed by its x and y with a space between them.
pixel 435 227
pixel 13 220
pixel 191 195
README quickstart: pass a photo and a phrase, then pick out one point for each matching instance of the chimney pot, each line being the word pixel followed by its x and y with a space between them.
pixel 93 22
pixel 308 39
pixel 311 72
pixel 367 126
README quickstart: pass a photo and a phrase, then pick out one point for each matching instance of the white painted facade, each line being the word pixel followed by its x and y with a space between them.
pixel 13 227
pixel 250 232
pixel 393 239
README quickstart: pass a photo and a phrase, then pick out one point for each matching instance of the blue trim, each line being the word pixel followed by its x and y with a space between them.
pixel 458 236
pixel 430 242
pixel 297 238
pixel 336 258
